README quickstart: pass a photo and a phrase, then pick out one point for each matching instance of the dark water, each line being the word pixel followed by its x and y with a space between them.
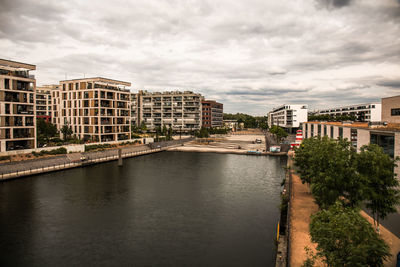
pixel 165 209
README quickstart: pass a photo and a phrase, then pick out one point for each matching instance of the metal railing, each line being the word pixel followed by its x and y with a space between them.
pixel 88 160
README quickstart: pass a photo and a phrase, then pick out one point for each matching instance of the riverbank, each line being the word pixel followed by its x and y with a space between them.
pixel 302 206
pixel 78 160
pixel 210 149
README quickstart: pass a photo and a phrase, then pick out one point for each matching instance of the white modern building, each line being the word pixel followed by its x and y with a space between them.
pixel 288 116
pixel 369 112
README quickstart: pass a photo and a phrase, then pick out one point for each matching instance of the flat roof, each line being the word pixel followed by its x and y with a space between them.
pixel 364 125
pixel 16 64
pixel 391 97
pixel 100 79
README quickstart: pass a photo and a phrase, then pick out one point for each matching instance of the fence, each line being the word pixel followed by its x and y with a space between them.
pixel 68 164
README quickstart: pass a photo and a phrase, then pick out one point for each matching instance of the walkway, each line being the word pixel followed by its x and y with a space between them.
pixel 27 165
pixel 302 207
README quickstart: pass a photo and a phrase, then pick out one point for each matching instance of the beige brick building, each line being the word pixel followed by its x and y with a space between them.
pixel 17 106
pixel 96 109
pixel 391 109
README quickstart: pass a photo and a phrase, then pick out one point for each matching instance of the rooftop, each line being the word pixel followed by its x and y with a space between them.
pixel 365 125
pixel 99 79
pixel 17 65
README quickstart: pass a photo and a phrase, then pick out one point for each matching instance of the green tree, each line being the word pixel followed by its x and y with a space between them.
pixel 143 127
pixel 164 130
pixel 45 130
pixel 345 238
pixel 381 185
pixel 331 168
pixel 203 133
pixel 278 132
pixel 66 130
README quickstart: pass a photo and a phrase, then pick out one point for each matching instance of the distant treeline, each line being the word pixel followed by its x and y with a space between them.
pixel 332 118
pixel 248 120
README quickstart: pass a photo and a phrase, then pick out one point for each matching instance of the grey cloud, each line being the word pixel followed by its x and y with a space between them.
pixel 335 3
pixel 265 92
pixel 390 83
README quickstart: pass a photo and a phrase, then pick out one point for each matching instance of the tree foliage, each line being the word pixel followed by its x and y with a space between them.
pixel 203 133
pixel 248 120
pixel 278 132
pixel 345 238
pixel 66 130
pixel 381 185
pixel 327 117
pixel 45 131
pixel 330 166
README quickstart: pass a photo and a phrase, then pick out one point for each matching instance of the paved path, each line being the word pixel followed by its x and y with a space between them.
pixel 12 167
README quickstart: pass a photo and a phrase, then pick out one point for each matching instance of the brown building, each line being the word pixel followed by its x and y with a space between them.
pixel 17 106
pixel 96 109
pixel 391 109
pixel 212 114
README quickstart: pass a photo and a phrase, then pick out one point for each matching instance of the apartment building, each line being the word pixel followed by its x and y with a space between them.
pixel 135 109
pixel 96 109
pixel 359 134
pixel 44 101
pixel 212 114
pixel 17 106
pixel 391 109
pixel 370 112
pixel 288 116
pixel 175 109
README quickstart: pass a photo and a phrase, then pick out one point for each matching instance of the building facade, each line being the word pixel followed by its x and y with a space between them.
pixel 212 114
pixel 180 111
pixel 96 109
pixel 391 109
pixel 288 116
pixel 359 134
pixel 44 101
pixel 370 112
pixel 17 106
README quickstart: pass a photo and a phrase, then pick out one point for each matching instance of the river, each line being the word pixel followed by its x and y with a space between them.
pixel 163 209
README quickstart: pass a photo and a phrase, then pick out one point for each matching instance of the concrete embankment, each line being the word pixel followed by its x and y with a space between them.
pixel 206 149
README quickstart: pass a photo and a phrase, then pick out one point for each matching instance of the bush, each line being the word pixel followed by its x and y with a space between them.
pixel 58 151
pixel 5 158
pixel 98 147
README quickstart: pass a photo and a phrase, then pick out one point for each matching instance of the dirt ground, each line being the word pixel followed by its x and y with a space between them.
pixel 302 207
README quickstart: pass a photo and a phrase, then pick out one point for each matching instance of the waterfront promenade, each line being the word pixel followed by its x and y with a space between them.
pixel 301 208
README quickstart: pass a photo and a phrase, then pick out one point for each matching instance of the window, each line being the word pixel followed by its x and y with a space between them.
pixel 384 141
pixel 353 137
pixel 395 111
pixel 331 131
pixel 325 132
pixel 340 132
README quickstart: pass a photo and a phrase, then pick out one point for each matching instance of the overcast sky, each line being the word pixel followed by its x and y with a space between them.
pixel 251 55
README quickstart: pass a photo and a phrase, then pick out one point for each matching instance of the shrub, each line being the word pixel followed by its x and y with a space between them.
pixel 58 151
pixel 5 157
